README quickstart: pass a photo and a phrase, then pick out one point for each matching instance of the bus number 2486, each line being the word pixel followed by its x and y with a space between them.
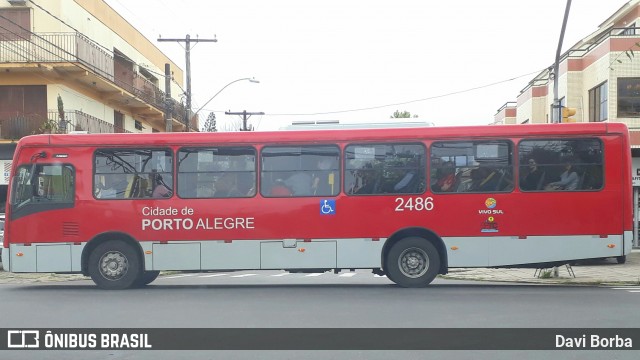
pixel 414 204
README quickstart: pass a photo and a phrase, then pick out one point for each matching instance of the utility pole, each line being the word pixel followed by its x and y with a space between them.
pixel 245 116
pixel 168 105
pixel 188 40
pixel 556 115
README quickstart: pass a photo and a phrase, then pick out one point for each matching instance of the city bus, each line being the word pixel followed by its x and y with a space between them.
pixel 408 203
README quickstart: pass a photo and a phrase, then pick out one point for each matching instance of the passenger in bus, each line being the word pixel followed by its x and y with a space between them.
pixel 160 189
pixel 446 178
pixel 568 179
pixel 323 179
pixel 279 189
pixel 402 186
pixel 533 179
pixel 226 186
pixel 299 183
pixel 476 178
pixel 246 183
pixel 490 179
pixel 114 187
pixel 364 179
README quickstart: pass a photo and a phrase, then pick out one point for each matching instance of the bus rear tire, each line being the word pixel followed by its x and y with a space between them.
pixel 147 278
pixel 621 259
pixel 115 265
pixel 412 262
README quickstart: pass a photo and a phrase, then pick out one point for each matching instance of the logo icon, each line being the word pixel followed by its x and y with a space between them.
pixel 327 207
pixel 21 339
pixel 489 225
pixel 490 203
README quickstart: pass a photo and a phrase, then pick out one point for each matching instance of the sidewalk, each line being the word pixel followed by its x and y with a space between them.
pixel 604 272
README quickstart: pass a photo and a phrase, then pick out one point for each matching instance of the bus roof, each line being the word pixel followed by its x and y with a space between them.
pixel 440 133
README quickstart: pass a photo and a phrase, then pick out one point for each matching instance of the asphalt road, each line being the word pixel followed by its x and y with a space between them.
pixel 272 300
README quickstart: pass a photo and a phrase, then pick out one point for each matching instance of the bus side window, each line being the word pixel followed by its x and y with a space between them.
pixel 562 164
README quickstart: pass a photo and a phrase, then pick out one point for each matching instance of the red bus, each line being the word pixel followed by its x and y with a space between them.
pixel 409 203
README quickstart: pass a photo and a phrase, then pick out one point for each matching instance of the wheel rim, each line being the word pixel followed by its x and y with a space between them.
pixel 413 262
pixel 113 265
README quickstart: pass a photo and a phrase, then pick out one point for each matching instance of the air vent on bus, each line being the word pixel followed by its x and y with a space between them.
pixel 70 229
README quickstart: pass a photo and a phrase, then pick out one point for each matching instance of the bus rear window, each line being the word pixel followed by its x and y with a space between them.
pixel 561 165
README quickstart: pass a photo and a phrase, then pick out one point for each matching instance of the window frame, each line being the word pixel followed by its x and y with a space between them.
pixel 215 173
pixel 421 178
pixel 579 165
pixel 336 169
pixel 17 16
pixel 32 207
pixel 596 103
pixel 169 171
pixel 509 168
pixel 622 81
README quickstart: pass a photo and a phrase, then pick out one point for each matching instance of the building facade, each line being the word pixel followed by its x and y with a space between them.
pixel 77 65
pixel 599 77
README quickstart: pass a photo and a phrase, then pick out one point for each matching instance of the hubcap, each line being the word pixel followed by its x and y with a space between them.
pixel 113 265
pixel 413 262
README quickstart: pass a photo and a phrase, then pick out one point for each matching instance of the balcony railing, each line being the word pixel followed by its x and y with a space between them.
pixel 78 121
pixel 16 125
pixel 77 48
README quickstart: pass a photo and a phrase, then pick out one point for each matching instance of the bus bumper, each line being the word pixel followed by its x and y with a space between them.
pixel 628 243
pixel 5 259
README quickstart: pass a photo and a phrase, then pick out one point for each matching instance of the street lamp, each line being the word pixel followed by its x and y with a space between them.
pixel 216 94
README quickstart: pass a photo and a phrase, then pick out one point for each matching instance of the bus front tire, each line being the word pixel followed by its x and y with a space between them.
pixel 621 259
pixel 412 262
pixel 115 265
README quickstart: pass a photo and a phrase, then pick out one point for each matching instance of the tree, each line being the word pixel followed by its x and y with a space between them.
pixel 402 115
pixel 210 123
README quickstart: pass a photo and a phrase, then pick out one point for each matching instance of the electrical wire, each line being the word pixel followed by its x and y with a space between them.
pixel 407 102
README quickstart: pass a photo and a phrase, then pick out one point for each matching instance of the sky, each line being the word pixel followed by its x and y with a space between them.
pixel 449 62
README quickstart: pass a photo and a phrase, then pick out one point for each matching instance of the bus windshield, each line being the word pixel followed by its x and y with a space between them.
pixel 50 183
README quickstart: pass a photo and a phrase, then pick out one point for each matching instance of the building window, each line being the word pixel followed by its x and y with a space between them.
pixel 15 24
pixel 598 103
pixel 138 125
pixel 628 97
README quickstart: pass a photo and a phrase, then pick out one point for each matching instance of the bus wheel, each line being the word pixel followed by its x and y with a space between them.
pixel 114 265
pixel 412 262
pixel 621 259
pixel 147 278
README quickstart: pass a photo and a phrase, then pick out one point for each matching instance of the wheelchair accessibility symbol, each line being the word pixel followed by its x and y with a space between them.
pixel 327 207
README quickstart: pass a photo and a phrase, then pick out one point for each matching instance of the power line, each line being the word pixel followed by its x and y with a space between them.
pixel 188 40
pixel 411 101
pixel 245 117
